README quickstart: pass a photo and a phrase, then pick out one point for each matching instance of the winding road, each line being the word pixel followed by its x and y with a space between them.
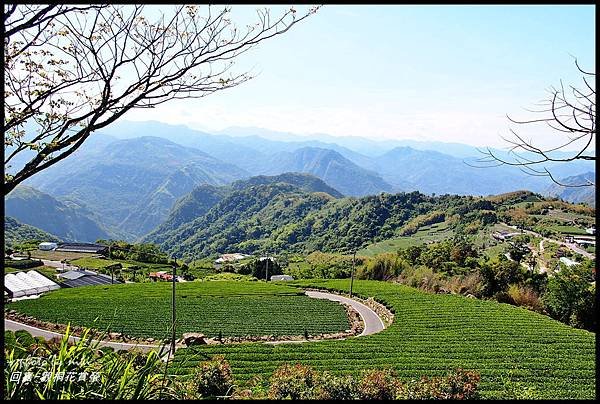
pixel 372 321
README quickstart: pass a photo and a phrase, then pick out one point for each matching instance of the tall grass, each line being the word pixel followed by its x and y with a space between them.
pixel 59 370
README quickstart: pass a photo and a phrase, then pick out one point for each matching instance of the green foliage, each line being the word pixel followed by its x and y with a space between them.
pixel 498 274
pixel 24 235
pixel 332 387
pixel 212 378
pixel 517 249
pixel 261 268
pixel 56 374
pixel 323 265
pixel 292 382
pixel 570 296
pixel 378 385
pixel 232 308
pixel 141 252
pixel 457 385
pixel 432 333
pixel 23 264
pixel 382 267
pixel 422 220
pixel 297 382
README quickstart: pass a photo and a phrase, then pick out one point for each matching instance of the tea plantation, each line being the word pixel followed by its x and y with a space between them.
pixel 226 307
pixel 516 351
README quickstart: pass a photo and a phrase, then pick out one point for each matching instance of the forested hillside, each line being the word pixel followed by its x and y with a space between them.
pixel 69 221
pixel 16 232
pixel 281 216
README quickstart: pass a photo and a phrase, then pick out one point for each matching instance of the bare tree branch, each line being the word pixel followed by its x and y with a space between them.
pixel 70 70
pixel 573 118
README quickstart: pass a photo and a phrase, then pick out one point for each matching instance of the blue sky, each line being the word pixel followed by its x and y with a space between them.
pixel 446 73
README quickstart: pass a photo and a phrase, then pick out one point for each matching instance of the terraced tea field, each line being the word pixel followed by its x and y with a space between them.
pixel 229 308
pixel 432 334
pixel 429 233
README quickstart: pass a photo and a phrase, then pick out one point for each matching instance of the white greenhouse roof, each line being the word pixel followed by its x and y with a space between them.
pixel 28 283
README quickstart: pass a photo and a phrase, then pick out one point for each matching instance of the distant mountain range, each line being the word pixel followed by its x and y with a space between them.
pixel 133 183
pixel 577 193
pixel 431 167
pixel 331 167
pixel 65 220
pixel 131 174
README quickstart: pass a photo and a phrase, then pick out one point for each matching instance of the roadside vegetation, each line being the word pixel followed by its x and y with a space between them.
pixel 60 369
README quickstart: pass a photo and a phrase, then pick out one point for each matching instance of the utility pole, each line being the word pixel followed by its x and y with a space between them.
pixel 352 273
pixel 173 303
pixel 267 270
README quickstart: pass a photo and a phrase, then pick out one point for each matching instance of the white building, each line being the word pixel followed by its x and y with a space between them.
pixel 591 230
pixel 281 278
pixel 230 258
pixel 568 262
pixel 46 246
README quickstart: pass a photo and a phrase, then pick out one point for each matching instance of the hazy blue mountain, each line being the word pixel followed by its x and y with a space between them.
pixel 204 197
pixel 67 221
pixel 221 147
pixel 433 172
pixel 132 183
pixel 261 151
pixel 576 194
pixel 331 167
pixel 93 144
pixel 369 147
pixel 16 232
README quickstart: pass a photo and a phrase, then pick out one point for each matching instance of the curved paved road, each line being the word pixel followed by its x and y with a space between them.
pixel 38 332
pixel 373 322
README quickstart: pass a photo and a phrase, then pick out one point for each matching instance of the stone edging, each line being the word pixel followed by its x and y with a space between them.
pixel 383 312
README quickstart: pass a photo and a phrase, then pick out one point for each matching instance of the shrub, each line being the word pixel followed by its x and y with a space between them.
pixel 525 297
pixel 422 277
pixel 213 378
pixel 127 375
pixel 382 267
pixel 378 385
pixel 457 385
pixel 332 387
pixel 465 284
pixel 294 382
pixel 23 264
pixel 570 296
pixel 302 382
